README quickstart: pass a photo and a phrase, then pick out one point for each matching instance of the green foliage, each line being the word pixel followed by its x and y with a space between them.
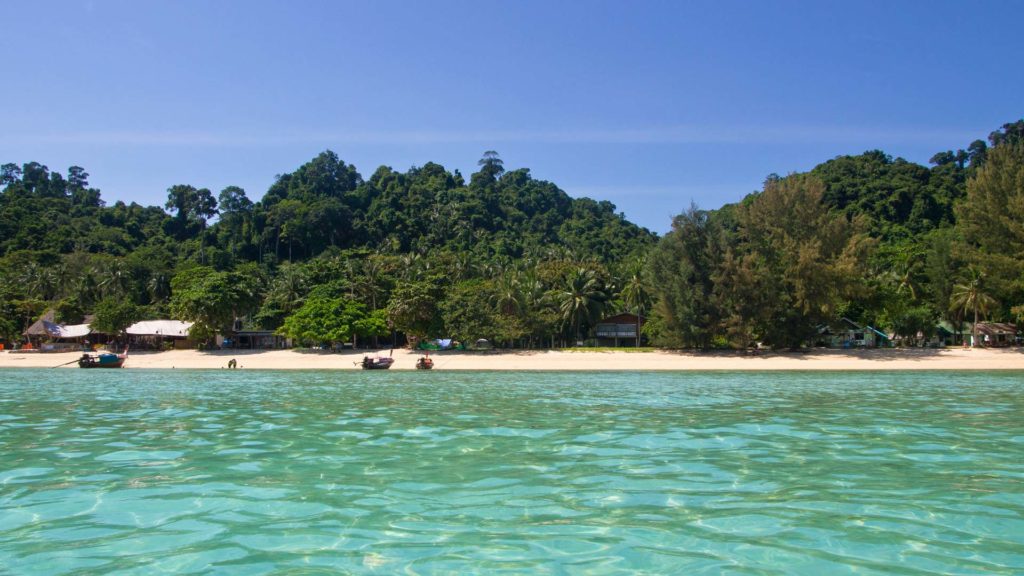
pixel 467 311
pixel 413 309
pixel 113 315
pixel 991 220
pixel 211 299
pixel 787 267
pixel 681 268
pixel 323 319
pixel 69 311
pixel 517 261
pixel 582 299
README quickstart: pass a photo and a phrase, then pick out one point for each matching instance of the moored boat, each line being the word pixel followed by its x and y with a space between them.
pixel 378 363
pixel 104 360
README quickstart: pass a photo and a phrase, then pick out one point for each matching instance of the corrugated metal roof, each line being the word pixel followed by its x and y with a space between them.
pixel 171 328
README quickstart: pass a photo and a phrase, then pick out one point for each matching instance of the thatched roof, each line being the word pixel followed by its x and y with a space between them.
pixel 47 327
pixel 994 328
pixel 39 327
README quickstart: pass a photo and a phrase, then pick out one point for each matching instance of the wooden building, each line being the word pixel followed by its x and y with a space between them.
pixel 620 330
pixel 996 334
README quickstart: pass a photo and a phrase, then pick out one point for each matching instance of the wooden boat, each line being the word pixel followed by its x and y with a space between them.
pixel 424 363
pixel 105 360
pixel 378 363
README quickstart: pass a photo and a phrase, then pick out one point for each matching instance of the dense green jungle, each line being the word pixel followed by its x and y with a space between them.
pixel 328 256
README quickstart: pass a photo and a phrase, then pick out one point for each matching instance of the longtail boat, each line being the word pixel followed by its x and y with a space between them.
pixel 424 363
pixel 104 360
pixel 378 363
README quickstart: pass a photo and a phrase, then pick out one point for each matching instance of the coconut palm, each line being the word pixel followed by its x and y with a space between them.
pixel 582 299
pixel 970 295
pixel 289 288
pixel 159 286
pixel 113 278
pixel 508 295
pixel 635 295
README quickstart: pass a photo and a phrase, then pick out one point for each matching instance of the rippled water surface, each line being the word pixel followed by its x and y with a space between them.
pixel 141 472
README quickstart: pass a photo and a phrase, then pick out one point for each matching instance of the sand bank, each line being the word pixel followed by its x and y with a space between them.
pixel 946 359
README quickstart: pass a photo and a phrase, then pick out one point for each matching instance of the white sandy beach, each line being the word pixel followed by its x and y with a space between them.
pixel 898 359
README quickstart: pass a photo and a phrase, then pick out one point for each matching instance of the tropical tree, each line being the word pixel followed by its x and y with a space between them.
pixel 491 165
pixel 969 295
pixel 413 308
pixel 687 302
pixel 991 219
pixel 210 299
pixel 324 319
pixel 114 315
pixel 582 299
pixel 635 294
pixel 190 204
pixel 796 262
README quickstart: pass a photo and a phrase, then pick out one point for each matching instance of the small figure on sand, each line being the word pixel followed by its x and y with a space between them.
pixel 232 364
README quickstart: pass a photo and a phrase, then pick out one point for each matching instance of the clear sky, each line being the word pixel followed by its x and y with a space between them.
pixel 650 105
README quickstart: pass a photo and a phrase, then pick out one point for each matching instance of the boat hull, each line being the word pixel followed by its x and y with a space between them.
pixel 377 363
pixel 101 362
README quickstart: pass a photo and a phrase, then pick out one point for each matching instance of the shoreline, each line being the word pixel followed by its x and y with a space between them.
pixel 554 360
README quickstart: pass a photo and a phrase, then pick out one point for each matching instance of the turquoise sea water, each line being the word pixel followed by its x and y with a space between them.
pixel 189 472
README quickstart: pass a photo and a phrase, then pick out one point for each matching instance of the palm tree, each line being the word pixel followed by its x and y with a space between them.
pixel 114 277
pixel 635 295
pixel 158 286
pixel 508 297
pixel 289 288
pixel 904 276
pixel 970 295
pixel 582 299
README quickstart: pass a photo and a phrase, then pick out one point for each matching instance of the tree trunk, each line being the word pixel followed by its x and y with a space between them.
pixel 974 329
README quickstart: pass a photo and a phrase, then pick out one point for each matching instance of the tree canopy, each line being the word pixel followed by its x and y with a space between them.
pixel 507 257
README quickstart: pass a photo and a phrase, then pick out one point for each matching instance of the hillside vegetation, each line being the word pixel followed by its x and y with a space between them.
pixel 326 255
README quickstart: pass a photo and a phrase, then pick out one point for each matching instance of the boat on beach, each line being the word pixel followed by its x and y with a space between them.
pixel 377 363
pixel 104 360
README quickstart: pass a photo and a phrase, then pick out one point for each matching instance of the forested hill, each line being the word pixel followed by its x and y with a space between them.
pixel 881 241
pixel 327 255
pixel 394 246
pixel 324 203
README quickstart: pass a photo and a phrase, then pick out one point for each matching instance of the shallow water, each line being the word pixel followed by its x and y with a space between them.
pixel 143 472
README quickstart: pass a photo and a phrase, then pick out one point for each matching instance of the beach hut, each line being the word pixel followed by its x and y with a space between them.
pixel 849 334
pixel 996 334
pixel 622 328
pixel 36 334
pixel 46 335
pixel 158 334
pixel 256 339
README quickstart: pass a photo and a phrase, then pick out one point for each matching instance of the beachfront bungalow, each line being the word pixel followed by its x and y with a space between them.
pixel 995 334
pixel 848 334
pixel 46 335
pixel 254 340
pixel 620 329
pixel 246 335
pixel 159 334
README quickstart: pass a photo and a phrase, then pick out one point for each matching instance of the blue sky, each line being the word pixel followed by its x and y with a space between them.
pixel 650 105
